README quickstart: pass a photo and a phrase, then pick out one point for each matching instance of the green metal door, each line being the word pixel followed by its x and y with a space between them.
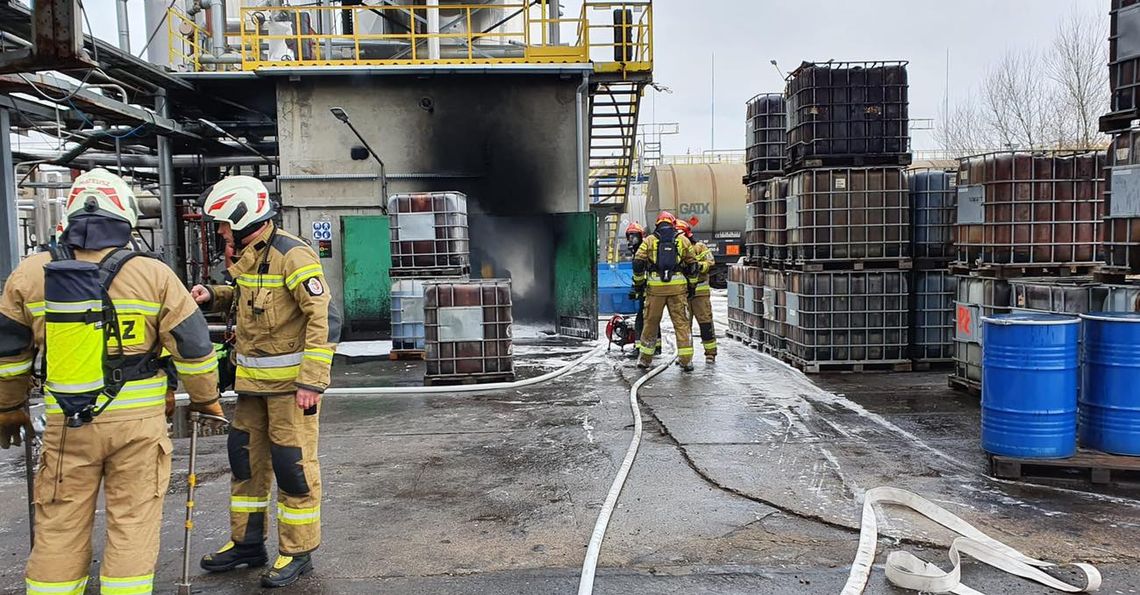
pixel 367 285
pixel 575 274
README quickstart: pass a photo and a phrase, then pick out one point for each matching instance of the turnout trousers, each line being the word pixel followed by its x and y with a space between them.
pixel 272 439
pixel 131 460
pixel 701 305
pixel 678 305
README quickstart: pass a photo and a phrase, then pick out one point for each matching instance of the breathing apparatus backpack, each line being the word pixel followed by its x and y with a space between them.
pixel 83 342
pixel 668 261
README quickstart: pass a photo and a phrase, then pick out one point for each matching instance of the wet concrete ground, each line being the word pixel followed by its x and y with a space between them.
pixel 748 480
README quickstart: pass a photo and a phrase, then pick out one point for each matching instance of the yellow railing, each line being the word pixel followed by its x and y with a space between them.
pixel 615 36
pixel 185 40
pixel 618 36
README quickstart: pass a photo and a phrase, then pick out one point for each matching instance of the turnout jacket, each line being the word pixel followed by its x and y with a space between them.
pixel 286 323
pixel 155 312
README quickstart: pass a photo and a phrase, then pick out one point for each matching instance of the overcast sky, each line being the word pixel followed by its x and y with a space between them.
pixel 745 35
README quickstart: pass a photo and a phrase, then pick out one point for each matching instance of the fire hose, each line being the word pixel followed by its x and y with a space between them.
pixel 906 570
pixel 443 390
pixel 590 564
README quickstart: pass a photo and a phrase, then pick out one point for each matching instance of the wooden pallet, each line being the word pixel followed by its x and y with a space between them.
pixel 863 366
pixel 467 380
pixel 407 355
pixel 1112 276
pixel 1016 271
pixel 1088 465
pixel 964 385
pixel 873 264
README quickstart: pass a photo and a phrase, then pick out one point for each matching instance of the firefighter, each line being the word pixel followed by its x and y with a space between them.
pixel 287 329
pixel 98 315
pixel 701 303
pixel 665 272
pixel 634 236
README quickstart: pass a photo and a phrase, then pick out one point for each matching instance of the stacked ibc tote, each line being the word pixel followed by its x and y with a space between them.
pixel 1028 237
pixel 848 257
pixel 752 305
pixel 933 287
pixel 429 244
pixel 825 284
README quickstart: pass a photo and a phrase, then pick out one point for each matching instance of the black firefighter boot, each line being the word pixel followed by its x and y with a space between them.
pixel 286 570
pixel 232 556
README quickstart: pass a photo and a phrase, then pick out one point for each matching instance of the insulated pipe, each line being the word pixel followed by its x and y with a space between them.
pixel 433 29
pixel 96 159
pixel 217 27
pixel 124 25
pixel 580 134
pixel 590 564
pixel 166 196
pixel 415 391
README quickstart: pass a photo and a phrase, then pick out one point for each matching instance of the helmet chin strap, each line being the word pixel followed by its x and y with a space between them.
pixel 240 236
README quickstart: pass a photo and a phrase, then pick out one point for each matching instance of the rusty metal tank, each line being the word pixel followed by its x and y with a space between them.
pixel 848 214
pixel 1030 208
pixel 848 113
pixel 1122 203
pixel 848 317
pixel 429 234
pixel 765 137
pixel 467 328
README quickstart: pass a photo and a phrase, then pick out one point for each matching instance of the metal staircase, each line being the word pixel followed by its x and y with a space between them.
pixel 613 142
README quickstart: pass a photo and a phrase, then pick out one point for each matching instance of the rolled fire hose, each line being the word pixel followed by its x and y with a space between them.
pixel 441 390
pixel 905 570
pixel 590 564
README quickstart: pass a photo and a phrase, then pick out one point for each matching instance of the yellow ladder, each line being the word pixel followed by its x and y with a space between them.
pixel 613 142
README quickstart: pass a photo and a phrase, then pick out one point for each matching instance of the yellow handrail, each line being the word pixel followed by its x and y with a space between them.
pixel 513 32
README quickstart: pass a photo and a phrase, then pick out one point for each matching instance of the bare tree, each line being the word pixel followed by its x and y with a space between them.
pixel 1077 67
pixel 1050 98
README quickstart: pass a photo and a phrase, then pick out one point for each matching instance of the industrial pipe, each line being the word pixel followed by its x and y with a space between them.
pixel 433 29
pixel 124 20
pixel 580 135
pixel 220 59
pixel 217 27
pixel 166 190
pixel 179 161
pixel 443 390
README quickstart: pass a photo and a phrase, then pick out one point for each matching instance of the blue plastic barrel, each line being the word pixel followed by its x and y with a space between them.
pixel 1029 385
pixel 614 283
pixel 1109 412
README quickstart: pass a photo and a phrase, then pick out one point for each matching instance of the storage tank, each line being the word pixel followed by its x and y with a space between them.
pixel 711 192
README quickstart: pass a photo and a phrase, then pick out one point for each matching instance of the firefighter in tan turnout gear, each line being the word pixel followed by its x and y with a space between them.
pixel 287 329
pixel 701 302
pixel 665 271
pixel 99 316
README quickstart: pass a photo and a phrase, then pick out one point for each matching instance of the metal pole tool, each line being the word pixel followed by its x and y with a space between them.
pixel 196 420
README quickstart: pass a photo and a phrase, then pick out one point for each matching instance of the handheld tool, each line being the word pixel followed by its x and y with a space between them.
pixel 196 420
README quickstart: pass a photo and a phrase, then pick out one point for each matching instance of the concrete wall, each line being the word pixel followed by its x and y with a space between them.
pixel 507 141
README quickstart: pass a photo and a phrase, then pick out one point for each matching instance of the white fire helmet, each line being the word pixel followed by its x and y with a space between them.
pixel 241 201
pixel 101 193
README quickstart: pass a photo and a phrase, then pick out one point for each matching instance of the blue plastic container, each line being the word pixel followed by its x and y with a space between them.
pixel 1109 413
pixel 408 315
pixel 614 283
pixel 1029 385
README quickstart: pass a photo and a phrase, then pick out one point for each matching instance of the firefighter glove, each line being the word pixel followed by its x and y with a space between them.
pixel 169 404
pixel 11 422
pixel 633 294
pixel 213 407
